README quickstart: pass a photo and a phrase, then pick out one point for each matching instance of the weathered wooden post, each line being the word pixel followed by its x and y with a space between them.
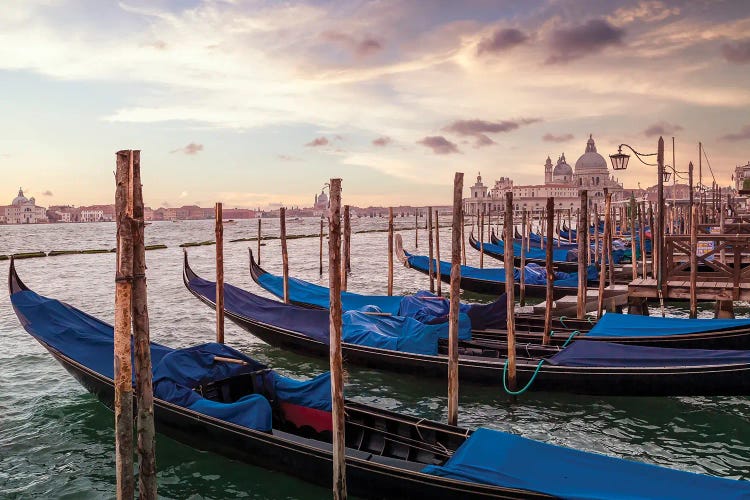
pixel 633 239
pixel 455 304
pixel 430 244
pixel 463 236
pixel 347 249
pixel 284 253
pixel 219 232
pixel 522 278
pixel 437 255
pixel 550 272
pixel 693 262
pixel 416 228
pixel 123 401
pixel 141 340
pixel 509 290
pixel 259 237
pixel 321 246
pixel 390 251
pixel 583 254
pixel 481 240
pixel 336 361
pixel 642 237
pixel 605 254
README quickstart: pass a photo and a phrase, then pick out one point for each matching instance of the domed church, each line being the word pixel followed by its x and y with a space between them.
pixel 561 181
pixel 22 210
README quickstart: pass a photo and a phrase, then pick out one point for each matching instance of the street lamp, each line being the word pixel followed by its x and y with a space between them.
pixel 620 162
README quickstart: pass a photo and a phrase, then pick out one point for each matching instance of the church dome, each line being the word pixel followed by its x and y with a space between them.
pixel 20 199
pixel 591 161
pixel 562 168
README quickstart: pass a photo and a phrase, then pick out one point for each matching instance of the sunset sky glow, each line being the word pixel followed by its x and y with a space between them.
pixel 255 102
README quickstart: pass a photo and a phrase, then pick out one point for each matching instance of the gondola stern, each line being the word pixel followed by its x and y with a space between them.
pixel 255 270
pixel 398 250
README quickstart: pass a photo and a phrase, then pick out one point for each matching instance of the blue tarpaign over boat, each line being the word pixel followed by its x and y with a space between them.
pixel 633 325
pixel 535 274
pixel 386 332
pixel 177 372
pixel 497 458
pixel 611 354
pixel 422 306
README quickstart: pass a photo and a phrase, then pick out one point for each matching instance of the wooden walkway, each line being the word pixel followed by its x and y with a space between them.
pixel 680 289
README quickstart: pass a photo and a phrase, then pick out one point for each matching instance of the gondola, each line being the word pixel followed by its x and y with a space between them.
pixel 488 321
pixel 490 281
pixel 246 411
pixel 533 255
pixel 583 367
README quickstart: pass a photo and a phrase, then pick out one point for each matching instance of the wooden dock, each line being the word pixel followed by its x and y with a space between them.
pixel 680 290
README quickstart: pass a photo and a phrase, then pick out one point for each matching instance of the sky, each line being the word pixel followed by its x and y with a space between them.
pixel 256 103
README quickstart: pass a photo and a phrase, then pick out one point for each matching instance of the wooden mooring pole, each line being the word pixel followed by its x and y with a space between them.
pixel 693 262
pixel 633 239
pixel 123 401
pixel 606 258
pixel 141 340
pixel 582 233
pixel 550 272
pixel 524 248
pixel 335 356
pixel 260 237
pixel 509 290
pixel 284 253
pixel 321 246
pixel 481 240
pixel 430 244
pixel 439 279
pixel 416 228
pixel 455 304
pixel 347 249
pixel 219 232
pixel 390 251
pixel 463 236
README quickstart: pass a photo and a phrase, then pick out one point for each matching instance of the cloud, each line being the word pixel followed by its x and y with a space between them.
pixel 439 145
pixel 742 135
pixel 191 149
pixel 156 44
pixel 318 141
pixel 557 138
pixel 47 193
pixel 501 40
pixel 480 128
pixel 662 128
pixel 382 141
pixel 579 41
pixel 363 47
pixel 645 11
pixel 738 52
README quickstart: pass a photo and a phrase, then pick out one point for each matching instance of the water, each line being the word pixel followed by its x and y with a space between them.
pixel 56 440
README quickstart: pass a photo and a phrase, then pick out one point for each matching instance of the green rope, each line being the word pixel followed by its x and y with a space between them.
pixel 526 387
pixel 589 320
pixel 573 334
pixel 563 322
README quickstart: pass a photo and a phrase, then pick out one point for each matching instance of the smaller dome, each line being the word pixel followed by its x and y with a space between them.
pixel 562 168
pixel 322 197
pixel 20 199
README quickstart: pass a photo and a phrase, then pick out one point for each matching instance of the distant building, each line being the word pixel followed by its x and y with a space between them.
pixel 741 173
pixel 561 181
pixel 22 210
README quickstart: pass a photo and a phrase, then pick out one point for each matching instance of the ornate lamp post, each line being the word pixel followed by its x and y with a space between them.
pixel 620 162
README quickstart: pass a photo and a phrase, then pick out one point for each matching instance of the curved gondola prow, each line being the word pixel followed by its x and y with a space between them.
pixel 398 249
pixel 187 272
pixel 255 270
pixel 14 282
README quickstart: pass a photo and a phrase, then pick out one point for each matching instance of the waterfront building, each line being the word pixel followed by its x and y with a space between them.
pixel 22 210
pixel 561 181
pixel 741 173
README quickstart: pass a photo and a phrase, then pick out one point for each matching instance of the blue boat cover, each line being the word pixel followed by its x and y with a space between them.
pixel 535 274
pixel 90 342
pixel 385 332
pixel 502 459
pixel 611 354
pixel 558 255
pixel 632 325
pixel 419 306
